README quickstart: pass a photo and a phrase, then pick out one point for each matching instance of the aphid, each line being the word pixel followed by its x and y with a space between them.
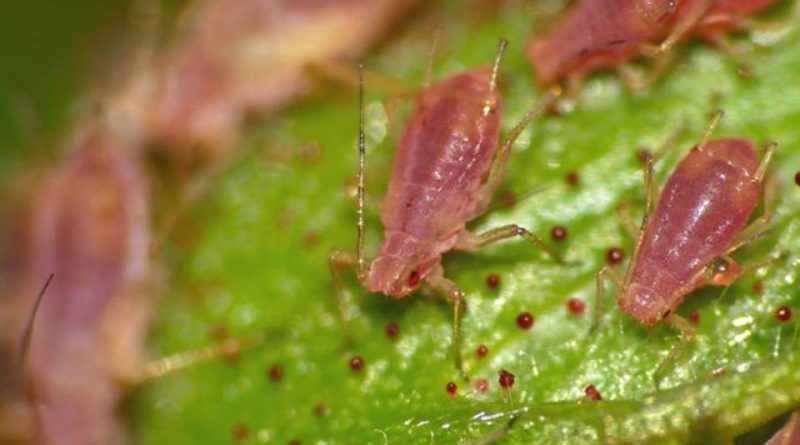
pixel 90 228
pixel 686 242
pixel 244 56
pixel 437 186
pixel 598 34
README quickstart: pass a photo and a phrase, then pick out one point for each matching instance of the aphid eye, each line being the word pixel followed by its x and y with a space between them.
pixel 413 278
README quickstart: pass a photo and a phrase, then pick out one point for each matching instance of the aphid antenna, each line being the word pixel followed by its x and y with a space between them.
pixel 437 36
pixel 719 113
pixel 27 333
pixel 498 58
pixel 362 155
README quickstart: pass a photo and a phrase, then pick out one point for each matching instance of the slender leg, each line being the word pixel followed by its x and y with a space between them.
pixel 680 30
pixel 650 187
pixel 338 260
pixel 497 170
pixel 456 296
pixel 165 365
pixel 627 222
pixel 469 241
pixel 760 225
pixel 631 77
pixel 687 333
pixel 600 292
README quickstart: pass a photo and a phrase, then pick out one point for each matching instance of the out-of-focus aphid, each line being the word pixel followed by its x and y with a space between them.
pixel 242 56
pixel 597 34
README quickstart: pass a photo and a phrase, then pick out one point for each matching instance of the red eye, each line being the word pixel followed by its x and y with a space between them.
pixel 413 278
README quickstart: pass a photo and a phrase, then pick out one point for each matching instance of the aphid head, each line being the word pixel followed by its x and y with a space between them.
pixel 644 304
pixel 400 266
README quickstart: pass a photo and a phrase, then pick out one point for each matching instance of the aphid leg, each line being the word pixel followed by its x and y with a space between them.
pixel 497 170
pixel 627 222
pixel 650 188
pixel 687 333
pixel 631 77
pixel 470 241
pixel 165 365
pixel 679 31
pixel 495 435
pixel 600 292
pixel 722 42
pixel 574 84
pixel 758 227
pixel 449 289
pixel 338 260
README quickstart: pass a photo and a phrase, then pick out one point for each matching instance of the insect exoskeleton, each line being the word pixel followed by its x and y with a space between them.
pixel 447 166
pixel 700 217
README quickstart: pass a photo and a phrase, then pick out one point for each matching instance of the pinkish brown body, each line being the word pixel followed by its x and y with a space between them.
pixel 89 229
pixel 241 56
pixel 599 34
pixel 443 157
pixel 706 202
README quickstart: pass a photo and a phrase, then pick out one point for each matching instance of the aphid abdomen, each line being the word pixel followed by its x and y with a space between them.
pixel 445 153
pixel 704 204
pixel 595 34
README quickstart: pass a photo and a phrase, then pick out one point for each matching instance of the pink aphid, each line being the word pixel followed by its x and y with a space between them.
pixel 244 56
pixel 699 219
pixel 90 229
pixel 446 169
pixel 598 34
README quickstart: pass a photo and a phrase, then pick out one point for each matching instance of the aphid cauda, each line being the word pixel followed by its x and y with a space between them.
pixel 597 34
pixel 91 229
pixel 685 243
pixel 437 186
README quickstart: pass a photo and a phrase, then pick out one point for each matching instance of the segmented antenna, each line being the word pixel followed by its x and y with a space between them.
pixel 27 333
pixel 437 35
pixel 501 49
pixel 362 154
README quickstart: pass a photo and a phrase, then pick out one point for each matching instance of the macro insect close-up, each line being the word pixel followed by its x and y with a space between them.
pixel 274 221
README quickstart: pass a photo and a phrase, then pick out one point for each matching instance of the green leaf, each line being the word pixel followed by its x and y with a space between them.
pixel 252 257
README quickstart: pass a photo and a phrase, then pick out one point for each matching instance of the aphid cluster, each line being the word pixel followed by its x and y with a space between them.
pixel 91 223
